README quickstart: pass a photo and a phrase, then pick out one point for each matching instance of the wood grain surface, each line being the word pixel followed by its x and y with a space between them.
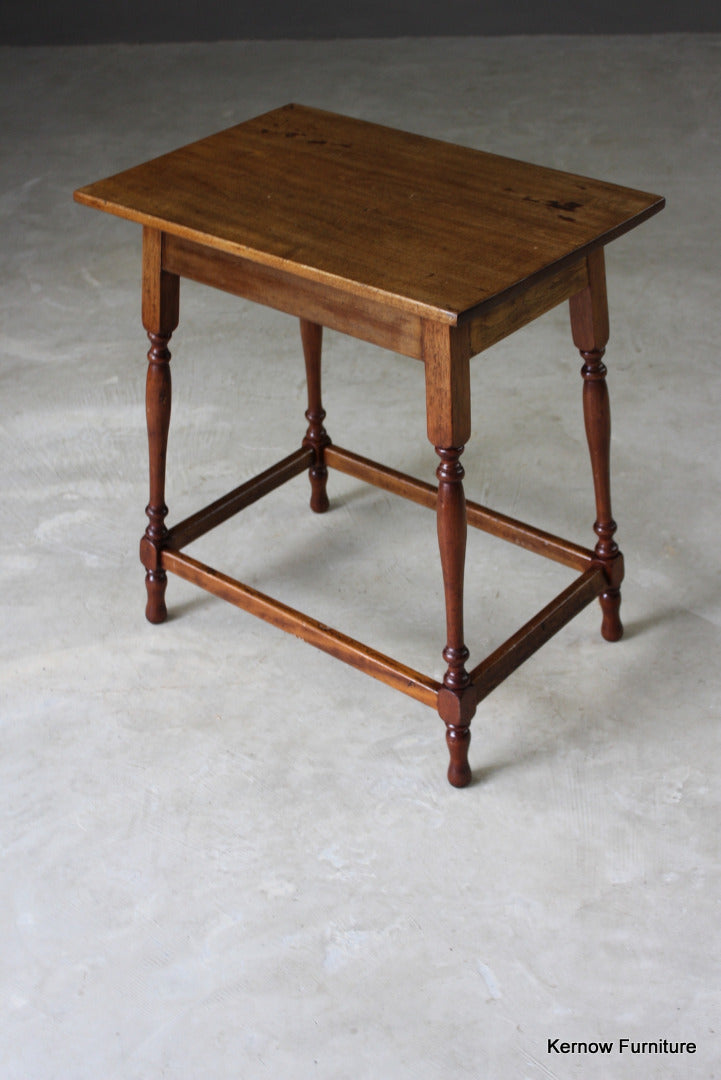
pixel 417 223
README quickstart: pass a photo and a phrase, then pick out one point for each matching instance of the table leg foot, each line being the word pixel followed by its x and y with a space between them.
pixel 319 502
pixel 611 627
pixel 456 708
pixel 155 583
pixel 458 739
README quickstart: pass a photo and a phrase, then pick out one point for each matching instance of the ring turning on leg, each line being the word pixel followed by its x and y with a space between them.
pixel 598 430
pixel 589 326
pixel 160 318
pixel 456 703
pixel 448 415
pixel 158 399
pixel 316 436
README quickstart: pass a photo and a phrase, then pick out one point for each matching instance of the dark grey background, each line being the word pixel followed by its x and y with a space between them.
pixel 68 22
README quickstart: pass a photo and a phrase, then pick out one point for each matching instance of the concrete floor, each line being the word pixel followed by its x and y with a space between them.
pixel 227 855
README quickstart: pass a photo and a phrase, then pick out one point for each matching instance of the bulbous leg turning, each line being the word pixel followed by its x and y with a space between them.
pixel 155 583
pixel 160 318
pixel 611 627
pixel 456 704
pixel 458 739
pixel 589 326
pixel 316 437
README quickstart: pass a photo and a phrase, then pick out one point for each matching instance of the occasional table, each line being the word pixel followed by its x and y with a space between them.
pixel 428 249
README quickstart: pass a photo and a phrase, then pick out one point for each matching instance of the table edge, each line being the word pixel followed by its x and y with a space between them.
pixel 277 262
pixel 360 289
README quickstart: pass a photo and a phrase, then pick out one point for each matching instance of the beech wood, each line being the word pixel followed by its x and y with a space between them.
pixel 345 648
pixel 589 326
pixel 451 520
pixel 316 437
pixel 497 319
pixel 360 316
pixel 198 524
pixel 160 308
pixel 448 419
pixel 479 517
pixel 448 385
pixel 418 224
pixel 366 317
pixel 487 675
pixel 425 248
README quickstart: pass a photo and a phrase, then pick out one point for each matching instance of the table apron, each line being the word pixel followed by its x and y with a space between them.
pixel 358 316
pixel 376 321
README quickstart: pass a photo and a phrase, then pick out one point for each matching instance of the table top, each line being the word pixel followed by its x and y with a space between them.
pixel 418 223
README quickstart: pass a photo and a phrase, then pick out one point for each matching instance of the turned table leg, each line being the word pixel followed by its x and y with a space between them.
pixel 448 418
pixel 316 436
pixel 452 529
pixel 160 318
pixel 589 325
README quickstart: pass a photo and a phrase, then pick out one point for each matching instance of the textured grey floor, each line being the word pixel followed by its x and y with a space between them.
pixel 225 854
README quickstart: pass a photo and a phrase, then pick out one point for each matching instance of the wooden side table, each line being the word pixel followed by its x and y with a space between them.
pixel 428 249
